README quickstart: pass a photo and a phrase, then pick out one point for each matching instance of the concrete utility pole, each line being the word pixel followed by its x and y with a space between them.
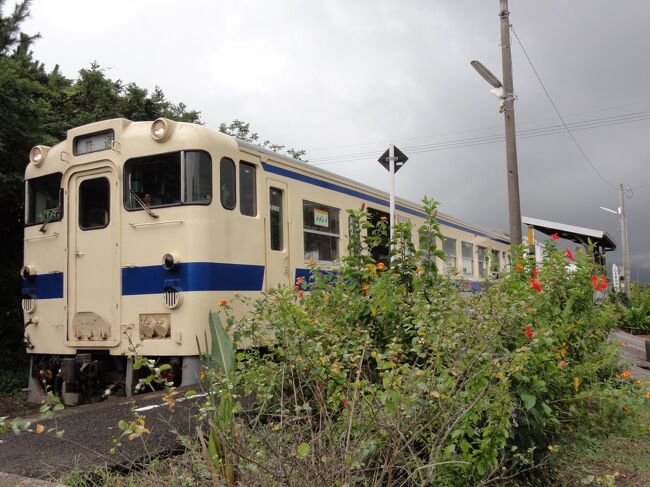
pixel 624 242
pixel 514 207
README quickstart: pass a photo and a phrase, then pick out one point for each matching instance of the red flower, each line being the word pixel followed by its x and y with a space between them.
pixel 569 255
pixel 535 272
pixel 555 236
pixel 344 402
pixel 537 286
pixel 529 332
pixel 599 282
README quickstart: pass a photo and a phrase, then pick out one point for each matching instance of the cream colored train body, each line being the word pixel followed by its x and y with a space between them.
pixel 135 230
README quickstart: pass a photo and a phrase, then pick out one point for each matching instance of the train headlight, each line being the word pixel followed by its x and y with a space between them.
pixel 161 129
pixel 37 154
pixel 27 272
pixel 170 261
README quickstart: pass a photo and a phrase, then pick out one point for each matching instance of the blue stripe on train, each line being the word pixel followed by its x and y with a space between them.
pixel 192 276
pixel 44 286
pixel 358 194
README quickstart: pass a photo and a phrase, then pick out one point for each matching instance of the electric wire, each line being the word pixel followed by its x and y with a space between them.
pixel 557 111
pixel 489 139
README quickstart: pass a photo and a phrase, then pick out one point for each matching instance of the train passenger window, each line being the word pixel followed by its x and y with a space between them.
pixel 468 258
pixel 449 248
pixel 228 183
pixel 275 218
pixel 43 199
pixel 321 230
pixel 495 261
pixel 247 189
pixel 94 203
pixel 197 184
pixel 482 261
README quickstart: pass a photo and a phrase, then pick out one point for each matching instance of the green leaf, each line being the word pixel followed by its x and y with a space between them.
pixel 303 450
pixel 222 350
pixel 123 425
pixel 528 399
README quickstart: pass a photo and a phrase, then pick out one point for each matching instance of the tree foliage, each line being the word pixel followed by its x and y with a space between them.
pixel 242 131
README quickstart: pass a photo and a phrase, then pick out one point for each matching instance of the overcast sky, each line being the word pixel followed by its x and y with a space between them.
pixel 343 79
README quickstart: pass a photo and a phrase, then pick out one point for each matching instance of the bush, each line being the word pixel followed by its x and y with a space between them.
pixel 636 317
pixel 395 376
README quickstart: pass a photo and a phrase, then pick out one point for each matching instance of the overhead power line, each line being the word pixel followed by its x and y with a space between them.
pixel 568 130
pixel 494 138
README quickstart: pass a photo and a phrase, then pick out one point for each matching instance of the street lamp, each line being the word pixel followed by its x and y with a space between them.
pixel 624 244
pixel 505 92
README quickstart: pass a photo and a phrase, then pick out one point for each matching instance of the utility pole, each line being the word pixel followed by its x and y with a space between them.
pixel 624 242
pixel 514 207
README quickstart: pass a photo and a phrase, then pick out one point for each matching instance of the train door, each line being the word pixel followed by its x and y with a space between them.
pixel 277 241
pixel 93 263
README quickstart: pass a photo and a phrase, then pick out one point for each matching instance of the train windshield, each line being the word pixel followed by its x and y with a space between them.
pixel 171 179
pixel 43 199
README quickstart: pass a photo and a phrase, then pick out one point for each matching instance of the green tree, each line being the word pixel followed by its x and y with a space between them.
pixel 242 130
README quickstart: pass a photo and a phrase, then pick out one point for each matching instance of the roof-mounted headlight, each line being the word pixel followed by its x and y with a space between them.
pixel 161 129
pixel 37 154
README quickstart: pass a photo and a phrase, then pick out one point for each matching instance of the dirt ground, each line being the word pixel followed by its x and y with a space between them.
pixel 16 405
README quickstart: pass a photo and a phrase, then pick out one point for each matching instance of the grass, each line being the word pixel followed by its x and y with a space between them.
pixel 622 460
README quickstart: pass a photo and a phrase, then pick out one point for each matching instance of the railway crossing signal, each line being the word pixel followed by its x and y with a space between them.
pixel 393 159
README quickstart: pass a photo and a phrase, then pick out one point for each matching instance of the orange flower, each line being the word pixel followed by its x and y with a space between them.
pixel 365 288
pixel 647 395
pixel 626 374
pixel 626 409
pixel 300 294
pixel 384 218
pixel 381 266
pixel 223 302
pixel 519 267
pixel 311 262
pixel 299 281
pixel 562 363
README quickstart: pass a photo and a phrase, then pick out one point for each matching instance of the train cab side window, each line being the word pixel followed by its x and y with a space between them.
pixel 94 203
pixel 449 248
pixel 321 232
pixel 43 199
pixel 247 189
pixel 228 184
pixel 468 258
pixel 275 218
